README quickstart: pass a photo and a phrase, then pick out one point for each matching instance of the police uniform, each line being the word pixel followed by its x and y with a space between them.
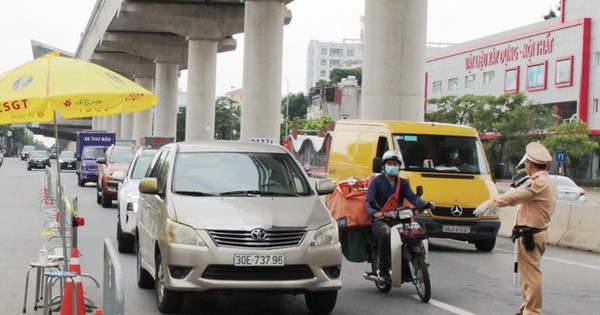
pixel 537 200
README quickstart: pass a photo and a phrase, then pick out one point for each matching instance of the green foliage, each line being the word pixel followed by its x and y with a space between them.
pixel 574 139
pixel 227 119
pixel 322 84
pixel 180 130
pixel 307 125
pixel 337 75
pixel 298 105
pixel 19 138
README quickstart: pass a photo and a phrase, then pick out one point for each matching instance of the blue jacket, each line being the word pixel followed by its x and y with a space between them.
pixel 380 189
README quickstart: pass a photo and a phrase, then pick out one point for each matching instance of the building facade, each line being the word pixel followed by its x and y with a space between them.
pixel 322 57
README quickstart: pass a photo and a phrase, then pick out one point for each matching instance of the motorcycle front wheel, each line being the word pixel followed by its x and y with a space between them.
pixel 421 279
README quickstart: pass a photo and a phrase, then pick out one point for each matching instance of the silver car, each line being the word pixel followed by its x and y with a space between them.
pixel 127 198
pixel 235 216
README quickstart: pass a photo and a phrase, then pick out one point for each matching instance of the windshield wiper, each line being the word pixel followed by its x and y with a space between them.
pixel 256 193
pixel 192 193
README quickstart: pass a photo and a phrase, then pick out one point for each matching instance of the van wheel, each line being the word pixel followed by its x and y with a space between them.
pixel 485 245
pixel 124 241
pixel 167 301
pixel 320 302
pixel 144 279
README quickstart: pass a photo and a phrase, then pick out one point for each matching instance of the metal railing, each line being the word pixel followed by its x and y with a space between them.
pixel 113 294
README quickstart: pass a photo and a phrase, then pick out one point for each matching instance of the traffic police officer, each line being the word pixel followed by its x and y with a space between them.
pixel 537 199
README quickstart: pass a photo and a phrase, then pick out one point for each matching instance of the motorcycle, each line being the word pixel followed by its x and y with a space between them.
pixel 409 249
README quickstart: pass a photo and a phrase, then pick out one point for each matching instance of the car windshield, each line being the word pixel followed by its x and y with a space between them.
pixel 92 153
pixel 28 148
pixel 67 155
pixel 39 154
pixel 231 174
pixel 121 156
pixel 438 153
pixel 140 166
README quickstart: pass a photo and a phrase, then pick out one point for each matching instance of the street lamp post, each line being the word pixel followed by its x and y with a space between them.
pixel 287 105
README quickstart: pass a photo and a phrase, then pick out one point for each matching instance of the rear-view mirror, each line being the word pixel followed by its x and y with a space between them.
pixel 324 186
pixel 148 186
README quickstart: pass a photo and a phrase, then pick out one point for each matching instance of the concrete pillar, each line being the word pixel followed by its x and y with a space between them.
pixel 165 111
pixel 394 60
pixel 202 73
pixel 142 121
pixel 116 126
pixel 127 126
pixel 94 123
pixel 263 44
pixel 107 123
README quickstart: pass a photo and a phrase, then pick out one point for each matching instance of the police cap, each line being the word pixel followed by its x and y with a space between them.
pixel 537 153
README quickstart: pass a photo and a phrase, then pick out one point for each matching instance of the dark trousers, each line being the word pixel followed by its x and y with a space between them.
pixel 382 231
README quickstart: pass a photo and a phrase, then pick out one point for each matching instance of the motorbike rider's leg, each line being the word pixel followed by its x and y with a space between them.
pixel 382 231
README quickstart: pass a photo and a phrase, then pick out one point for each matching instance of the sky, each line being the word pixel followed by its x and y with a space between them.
pixel 59 23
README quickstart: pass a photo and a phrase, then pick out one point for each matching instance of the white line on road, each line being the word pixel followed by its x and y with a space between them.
pixel 559 260
pixel 447 307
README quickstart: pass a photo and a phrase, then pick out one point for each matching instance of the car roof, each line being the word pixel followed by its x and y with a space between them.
pixel 226 146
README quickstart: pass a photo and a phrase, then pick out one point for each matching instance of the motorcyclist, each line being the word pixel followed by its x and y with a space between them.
pixel 384 190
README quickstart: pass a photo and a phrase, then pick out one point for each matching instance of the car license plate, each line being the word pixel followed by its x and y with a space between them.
pixel 456 229
pixel 258 260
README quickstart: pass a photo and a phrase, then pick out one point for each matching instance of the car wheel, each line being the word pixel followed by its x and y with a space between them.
pixel 144 279
pixel 80 182
pixel 485 245
pixel 29 168
pixel 98 197
pixel 105 199
pixel 167 301
pixel 320 302
pixel 124 241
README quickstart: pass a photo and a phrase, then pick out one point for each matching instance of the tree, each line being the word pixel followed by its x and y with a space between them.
pixel 180 133
pixel 227 119
pixel 337 75
pixel 574 139
pixel 298 105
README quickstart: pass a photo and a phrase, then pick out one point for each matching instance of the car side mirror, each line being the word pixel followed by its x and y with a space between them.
pixel 119 175
pixel 148 186
pixel 324 186
pixel 376 168
pixel 101 160
pixel 419 190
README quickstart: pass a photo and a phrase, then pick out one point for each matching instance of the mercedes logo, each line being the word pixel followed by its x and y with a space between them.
pixel 261 234
pixel 456 211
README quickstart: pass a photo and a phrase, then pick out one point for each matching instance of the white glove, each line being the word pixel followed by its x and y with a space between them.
pixel 482 208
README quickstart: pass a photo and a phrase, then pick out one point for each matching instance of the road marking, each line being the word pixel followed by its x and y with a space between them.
pixel 447 307
pixel 559 260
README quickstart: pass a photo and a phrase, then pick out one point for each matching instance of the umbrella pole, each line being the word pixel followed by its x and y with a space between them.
pixel 59 201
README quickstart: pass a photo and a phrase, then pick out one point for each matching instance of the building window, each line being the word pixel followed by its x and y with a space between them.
pixel 452 84
pixel 323 51
pixel 511 80
pixel 488 77
pixel 596 106
pixel 323 73
pixel 334 63
pixel 323 62
pixel 470 80
pixel 536 76
pixel 335 52
pixel 437 87
pixel 597 59
pixel 564 72
pixel 350 52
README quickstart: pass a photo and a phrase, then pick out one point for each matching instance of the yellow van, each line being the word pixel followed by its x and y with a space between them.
pixel 447 160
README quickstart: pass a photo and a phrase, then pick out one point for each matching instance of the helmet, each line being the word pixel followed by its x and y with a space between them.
pixel 391 155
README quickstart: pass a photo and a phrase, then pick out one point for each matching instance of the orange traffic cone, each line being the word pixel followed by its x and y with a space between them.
pixel 66 307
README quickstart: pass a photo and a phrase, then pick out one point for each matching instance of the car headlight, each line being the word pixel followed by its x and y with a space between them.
pixel 326 235
pixel 182 234
pixel 490 212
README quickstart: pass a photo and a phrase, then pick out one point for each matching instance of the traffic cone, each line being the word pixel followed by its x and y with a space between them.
pixel 66 307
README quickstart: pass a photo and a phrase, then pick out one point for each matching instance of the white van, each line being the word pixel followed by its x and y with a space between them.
pixel 235 216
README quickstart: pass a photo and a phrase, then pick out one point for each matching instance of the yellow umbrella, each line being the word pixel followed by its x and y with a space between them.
pixel 72 87
pixel 37 90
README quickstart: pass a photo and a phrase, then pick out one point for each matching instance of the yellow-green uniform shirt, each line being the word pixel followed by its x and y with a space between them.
pixel 536 198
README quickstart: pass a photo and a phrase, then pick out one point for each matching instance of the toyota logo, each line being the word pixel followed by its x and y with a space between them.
pixel 456 211
pixel 258 234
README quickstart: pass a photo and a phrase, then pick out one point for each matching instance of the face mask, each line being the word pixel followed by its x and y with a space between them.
pixel 392 170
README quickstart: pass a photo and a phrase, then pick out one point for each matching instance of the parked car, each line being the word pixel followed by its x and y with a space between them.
pixel 25 151
pixel 115 159
pixel 67 160
pixel 38 159
pixel 568 190
pixel 127 198
pixel 232 216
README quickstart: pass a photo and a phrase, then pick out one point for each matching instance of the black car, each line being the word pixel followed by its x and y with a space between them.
pixel 38 159
pixel 67 160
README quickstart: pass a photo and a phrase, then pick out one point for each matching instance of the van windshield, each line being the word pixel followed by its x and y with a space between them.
pixel 231 174
pixel 92 153
pixel 437 153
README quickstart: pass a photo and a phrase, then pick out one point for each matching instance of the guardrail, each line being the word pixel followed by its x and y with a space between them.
pixel 573 225
pixel 113 294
